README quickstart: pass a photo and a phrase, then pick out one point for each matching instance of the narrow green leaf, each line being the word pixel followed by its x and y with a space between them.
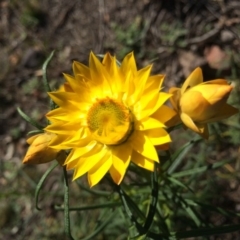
pixel 40 184
pixel 212 208
pixel 154 200
pixel 30 120
pixel 44 68
pixel 34 132
pixel 201 169
pixel 189 210
pixel 128 211
pixel 133 206
pixel 140 230
pixel 45 80
pixel 178 183
pixel 101 227
pixel 178 156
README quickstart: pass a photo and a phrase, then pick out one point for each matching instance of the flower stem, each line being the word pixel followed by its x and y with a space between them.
pixel 66 206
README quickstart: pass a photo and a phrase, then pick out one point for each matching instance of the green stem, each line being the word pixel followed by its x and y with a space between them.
pixel 66 206
pixel 154 200
pixel 40 184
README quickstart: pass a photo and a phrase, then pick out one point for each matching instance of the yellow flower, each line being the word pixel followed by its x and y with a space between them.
pixel 109 116
pixel 199 103
pixel 39 150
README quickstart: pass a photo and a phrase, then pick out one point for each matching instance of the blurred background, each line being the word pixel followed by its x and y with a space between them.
pixel 175 35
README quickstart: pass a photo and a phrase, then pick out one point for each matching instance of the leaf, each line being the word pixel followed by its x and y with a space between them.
pixel 30 120
pixel 178 156
pixel 40 184
pixel 44 68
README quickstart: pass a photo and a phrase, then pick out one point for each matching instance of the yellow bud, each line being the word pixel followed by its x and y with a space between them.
pixel 204 101
pixel 199 103
pixel 39 150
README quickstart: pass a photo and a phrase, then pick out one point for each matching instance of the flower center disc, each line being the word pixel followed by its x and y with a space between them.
pixel 109 121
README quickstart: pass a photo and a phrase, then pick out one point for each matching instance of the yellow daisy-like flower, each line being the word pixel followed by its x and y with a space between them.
pixel 108 116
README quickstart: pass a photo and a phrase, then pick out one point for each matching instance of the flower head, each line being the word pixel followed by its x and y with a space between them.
pixel 110 115
pixel 39 150
pixel 199 103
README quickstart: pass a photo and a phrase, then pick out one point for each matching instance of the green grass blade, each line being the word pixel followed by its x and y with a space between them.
pixel 178 183
pixel 154 200
pixel 201 169
pixel 180 154
pixel 40 184
pixel 30 120
pixel 44 68
pixel 100 228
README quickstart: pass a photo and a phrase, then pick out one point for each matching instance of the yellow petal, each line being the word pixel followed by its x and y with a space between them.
pixel 99 170
pixel 116 175
pixel 32 138
pixel 150 93
pixel 72 164
pixel 149 123
pixel 65 128
pixel 140 84
pixel 154 83
pixel 128 88
pixel 164 114
pixel 175 98
pixel 195 106
pixel 110 64
pixel 189 122
pixel 194 79
pixel 129 64
pixel 216 82
pixel 89 160
pixel 149 108
pixel 142 161
pixel 80 88
pixel 213 93
pixel 60 99
pixel 107 61
pixel 141 144
pixel 98 76
pixel 121 156
pixel 67 142
pixel 158 136
pixel 79 152
pixel 81 69
pixel 59 114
